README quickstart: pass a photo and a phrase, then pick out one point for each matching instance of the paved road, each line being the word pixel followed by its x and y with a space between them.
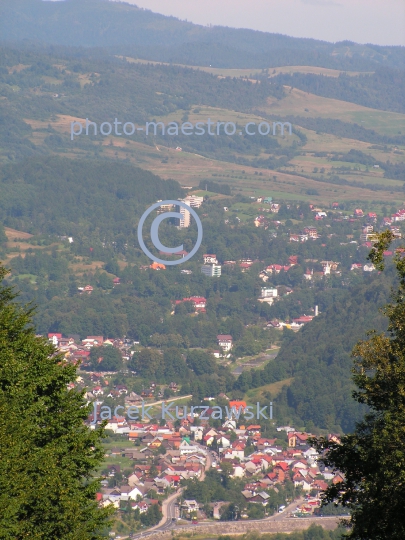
pixel 277 523
pixel 167 400
pixel 167 524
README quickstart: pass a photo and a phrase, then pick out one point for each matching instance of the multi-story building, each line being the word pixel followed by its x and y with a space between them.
pixel 194 200
pixel 184 221
pixel 211 270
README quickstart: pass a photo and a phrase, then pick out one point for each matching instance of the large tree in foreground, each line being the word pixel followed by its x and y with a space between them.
pixel 47 454
pixel 372 459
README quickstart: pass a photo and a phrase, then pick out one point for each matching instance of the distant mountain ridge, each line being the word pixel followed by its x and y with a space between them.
pixel 127 29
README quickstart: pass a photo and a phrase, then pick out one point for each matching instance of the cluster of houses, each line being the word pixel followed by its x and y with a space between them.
pixel 154 474
pixel 77 349
pixel 100 388
pixel 308 233
pixel 271 463
pixel 330 267
pixel 163 456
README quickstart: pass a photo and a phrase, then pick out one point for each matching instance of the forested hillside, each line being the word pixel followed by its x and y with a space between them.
pixel 129 30
pixel 381 90
pixel 319 358
pixel 68 197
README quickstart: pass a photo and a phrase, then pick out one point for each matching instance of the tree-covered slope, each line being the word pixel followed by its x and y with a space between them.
pixel 383 90
pixel 99 23
pixel 63 196
pixel 319 359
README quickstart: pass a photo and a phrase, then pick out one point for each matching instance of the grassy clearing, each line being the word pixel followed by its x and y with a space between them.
pixel 300 103
pixel 221 72
pixel 250 72
pixel 28 277
pixel 325 142
pixel 314 70
pixel 273 388
pixel 85 266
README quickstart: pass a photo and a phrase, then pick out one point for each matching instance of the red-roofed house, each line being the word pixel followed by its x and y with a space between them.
pixel 198 301
pixel 276 268
pixel 237 405
pixel 303 319
pixel 319 485
pixel 297 439
pixel 210 258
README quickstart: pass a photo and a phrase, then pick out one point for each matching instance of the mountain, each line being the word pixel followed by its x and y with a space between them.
pixel 126 29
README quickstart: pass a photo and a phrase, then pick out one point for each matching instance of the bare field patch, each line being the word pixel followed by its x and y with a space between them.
pixel 224 72
pixel 13 233
pixel 62 123
pixel 23 246
pixel 17 68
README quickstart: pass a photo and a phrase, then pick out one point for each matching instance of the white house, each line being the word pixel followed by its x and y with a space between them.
pixel 268 293
pixel 238 471
pixel 187 448
pixel 368 267
pixel 225 342
pixel 134 493
pixel 198 432
pixel 210 258
pixel 190 505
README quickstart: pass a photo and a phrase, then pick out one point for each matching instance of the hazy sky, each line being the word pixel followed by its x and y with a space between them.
pixel 364 21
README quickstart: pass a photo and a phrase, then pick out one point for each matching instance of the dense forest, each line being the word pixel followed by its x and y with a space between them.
pixel 61 196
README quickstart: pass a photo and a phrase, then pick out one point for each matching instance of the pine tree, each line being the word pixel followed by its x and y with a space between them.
pixel 372 459
pixel 47 454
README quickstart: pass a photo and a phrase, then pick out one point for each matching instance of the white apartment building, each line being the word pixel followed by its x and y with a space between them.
pixel 211 270
pixel 184 221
